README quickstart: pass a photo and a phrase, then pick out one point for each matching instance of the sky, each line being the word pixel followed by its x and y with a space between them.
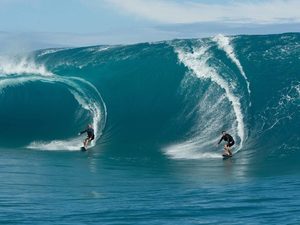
pixel 63 23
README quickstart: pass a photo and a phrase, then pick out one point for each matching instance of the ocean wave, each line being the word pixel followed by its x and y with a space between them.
pixel 176 96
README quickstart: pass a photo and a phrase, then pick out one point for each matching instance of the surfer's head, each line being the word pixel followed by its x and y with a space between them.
pixel 223 132
pixel 90 126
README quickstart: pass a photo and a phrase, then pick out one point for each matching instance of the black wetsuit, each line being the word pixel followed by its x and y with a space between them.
pixel 228 138
pixel 90 133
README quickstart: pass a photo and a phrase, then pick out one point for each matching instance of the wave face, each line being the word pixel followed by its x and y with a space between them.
pixel 175 97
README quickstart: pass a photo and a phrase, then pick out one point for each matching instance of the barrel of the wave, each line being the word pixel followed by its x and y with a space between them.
pixel 89 98
pixel 90 106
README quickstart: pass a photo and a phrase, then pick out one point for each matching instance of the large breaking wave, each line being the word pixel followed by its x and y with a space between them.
pixel 171 97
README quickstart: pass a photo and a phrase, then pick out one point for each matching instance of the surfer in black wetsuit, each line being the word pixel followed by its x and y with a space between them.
pixel 230 143
pixel 90 135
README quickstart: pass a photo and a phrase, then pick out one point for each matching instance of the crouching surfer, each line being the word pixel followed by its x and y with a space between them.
pixel 230 142
pixel 90 135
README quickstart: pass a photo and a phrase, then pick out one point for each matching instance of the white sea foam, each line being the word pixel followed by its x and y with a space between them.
pixel 224 43
pixel 195 146
pixel 188 150
pixel 99 48
pixel 56 145
pixel 196 61
pixel 279 113
pixel 12 81
pixel 20 66
pixel 51 51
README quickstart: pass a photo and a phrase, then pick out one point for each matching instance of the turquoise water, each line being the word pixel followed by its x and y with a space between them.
pixel 74 188
pixel 158 110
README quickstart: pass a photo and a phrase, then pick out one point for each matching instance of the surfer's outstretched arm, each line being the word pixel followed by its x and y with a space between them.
pixel 82 132
pixel 220 140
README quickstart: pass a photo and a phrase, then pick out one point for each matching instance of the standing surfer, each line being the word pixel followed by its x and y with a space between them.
pixel 230 142
pixel 90 135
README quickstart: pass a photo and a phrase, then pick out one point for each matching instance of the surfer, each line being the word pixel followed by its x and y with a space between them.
pixel 90 135
pixel 230 143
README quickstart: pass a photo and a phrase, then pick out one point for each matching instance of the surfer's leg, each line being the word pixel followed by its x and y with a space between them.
pixel 85 143
pixel 226 150
pixel 229 145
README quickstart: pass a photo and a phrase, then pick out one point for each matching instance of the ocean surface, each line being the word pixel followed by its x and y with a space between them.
pixel 158 110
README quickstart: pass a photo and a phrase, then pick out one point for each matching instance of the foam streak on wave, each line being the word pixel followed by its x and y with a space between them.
pixel 187 150
pixel 198 65
pixel 225 45
pixel 197 62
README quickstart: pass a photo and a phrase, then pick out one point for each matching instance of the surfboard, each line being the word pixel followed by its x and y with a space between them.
pixel 226 156
pixel 83 149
